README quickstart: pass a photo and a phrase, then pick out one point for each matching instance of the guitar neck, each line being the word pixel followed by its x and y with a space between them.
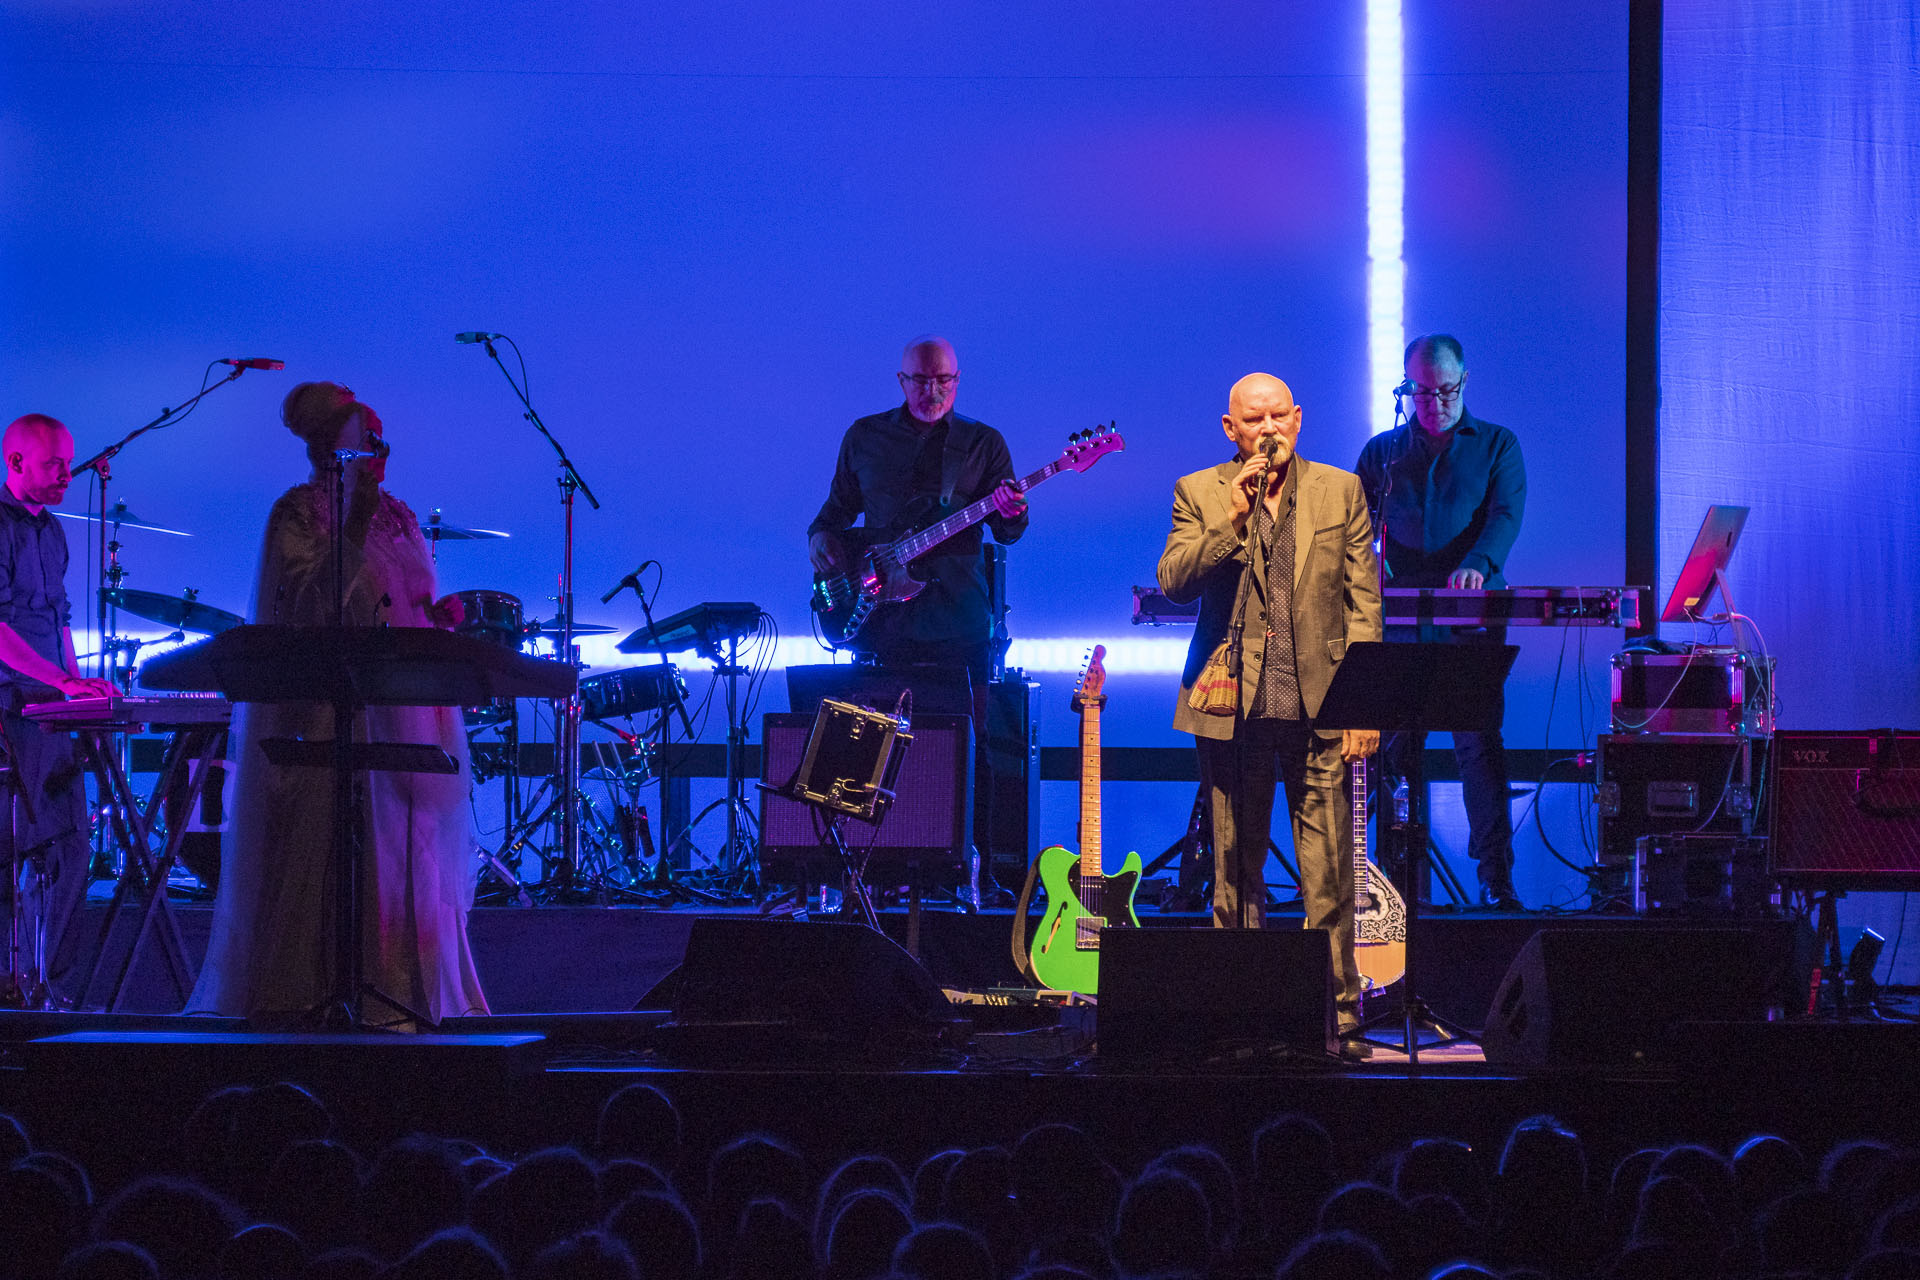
pixel 1357 776
pixel 918 544
pixel 1090 785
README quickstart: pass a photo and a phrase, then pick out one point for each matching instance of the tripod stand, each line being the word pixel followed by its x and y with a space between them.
pixel 737 861
pixel 1407 687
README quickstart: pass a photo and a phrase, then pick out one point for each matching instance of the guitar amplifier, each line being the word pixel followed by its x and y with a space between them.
pixel 930 824
pixel 1846 809
pixel 1013 765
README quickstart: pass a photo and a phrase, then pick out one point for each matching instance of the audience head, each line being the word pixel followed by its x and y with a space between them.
pixel 40 1220
pixel 590 1255
pixel 548 1196
pixel 457 1253
pixel 930 1184
pixel 182 1224
pixel 771 1243
pixel 861 1173
pixel 262 1252
pixel 660 1233
pixel 861 1239
pixel 755 1167
pixel 14 1142
pixel 1334 1255
pixel 312 1190
pixel 109 1260
pixel 944 1251
pixel 639 1121
pixel 1211 1173
pixel 1766 1167
pixel 1163 1225
pixel 415 1188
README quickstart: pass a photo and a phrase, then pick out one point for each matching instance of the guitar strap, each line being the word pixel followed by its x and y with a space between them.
pixel 961 433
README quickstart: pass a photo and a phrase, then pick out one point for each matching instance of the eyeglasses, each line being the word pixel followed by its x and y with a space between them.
pixel 922 381
pixel 1437 393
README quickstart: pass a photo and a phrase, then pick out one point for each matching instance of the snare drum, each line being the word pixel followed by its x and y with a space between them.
pixel 497 618
pixel 629 691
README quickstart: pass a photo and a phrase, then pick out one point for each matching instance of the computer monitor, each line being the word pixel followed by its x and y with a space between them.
pixel 1706 565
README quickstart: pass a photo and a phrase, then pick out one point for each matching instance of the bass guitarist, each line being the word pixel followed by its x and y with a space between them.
pixel 1278 550
pixel 904 469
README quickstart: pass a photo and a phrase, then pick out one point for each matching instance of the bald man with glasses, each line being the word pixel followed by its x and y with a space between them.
pixel 1448 491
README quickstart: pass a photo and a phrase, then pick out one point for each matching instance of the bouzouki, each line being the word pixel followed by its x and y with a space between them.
pixel 1379 913
pixel 881 574
pixel 1081 898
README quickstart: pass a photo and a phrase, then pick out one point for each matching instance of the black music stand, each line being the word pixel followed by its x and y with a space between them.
pixel 353 668
pixel 1403 687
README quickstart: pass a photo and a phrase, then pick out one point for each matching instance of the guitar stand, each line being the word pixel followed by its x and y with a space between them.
pixel 858 901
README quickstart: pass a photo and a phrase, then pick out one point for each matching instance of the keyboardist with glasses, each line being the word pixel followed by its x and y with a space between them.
pixel 1448 491
pixel 48 834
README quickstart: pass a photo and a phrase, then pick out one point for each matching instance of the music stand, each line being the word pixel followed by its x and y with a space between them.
pixel 353 668
pixel 1416 687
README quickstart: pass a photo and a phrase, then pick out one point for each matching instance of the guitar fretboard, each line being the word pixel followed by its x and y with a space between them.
pixel 918 544
pixel 1357 780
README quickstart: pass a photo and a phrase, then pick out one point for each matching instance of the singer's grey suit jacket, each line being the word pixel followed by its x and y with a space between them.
pixel 1336 591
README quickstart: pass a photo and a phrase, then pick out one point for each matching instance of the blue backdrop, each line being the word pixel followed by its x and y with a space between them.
pixel 711 227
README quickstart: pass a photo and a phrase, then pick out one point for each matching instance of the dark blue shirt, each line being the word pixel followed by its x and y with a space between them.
pixel 1455 508
pixel 33 581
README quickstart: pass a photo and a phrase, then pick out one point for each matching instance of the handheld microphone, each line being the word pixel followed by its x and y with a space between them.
pixel 477 336
pixel 255 362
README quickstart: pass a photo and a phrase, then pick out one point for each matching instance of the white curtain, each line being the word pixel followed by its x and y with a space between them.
pixel 1790 345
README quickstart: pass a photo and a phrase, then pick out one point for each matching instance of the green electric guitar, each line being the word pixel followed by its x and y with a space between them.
pixel 1081 899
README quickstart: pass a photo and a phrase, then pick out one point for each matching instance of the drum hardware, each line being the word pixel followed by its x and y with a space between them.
pixel 436 531
pixel 568 735
pixel 550 627
pixel 715 631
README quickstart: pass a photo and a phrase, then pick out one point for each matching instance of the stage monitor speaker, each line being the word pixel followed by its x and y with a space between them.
pixel 1196 993
pixel 1610 997
pixel 1846 809
pixel 930 823
pixel 791 988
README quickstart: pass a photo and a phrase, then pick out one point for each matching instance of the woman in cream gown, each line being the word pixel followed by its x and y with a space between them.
pixel 271 952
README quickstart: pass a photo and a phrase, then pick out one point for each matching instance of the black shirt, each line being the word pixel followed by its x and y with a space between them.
pixel 894 470
pixel 33 581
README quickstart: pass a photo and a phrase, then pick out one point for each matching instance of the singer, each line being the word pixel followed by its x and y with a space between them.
pixel 1448 491
pixel 1279 552
pixel 270 952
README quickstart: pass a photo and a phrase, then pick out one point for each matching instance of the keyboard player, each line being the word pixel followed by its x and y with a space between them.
pixel 1448 491
pixel 47 838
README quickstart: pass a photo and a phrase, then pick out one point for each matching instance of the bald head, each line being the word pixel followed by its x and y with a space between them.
pixel 39 456
pixel 1258 407
pixel 930 376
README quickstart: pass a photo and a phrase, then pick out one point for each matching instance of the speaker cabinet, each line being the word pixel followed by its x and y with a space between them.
pixel 1194 993
pixel 930 823
pixel 1610 997
pixel 1846 809
pixel 776 988
pixel 1013 768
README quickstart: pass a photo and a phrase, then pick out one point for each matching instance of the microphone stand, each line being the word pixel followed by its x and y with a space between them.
pixel 108 572
pixel 567 734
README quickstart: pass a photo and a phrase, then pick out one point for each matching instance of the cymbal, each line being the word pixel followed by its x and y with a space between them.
pixel 551 627
pixel 185 612
pixel 120 518
pixel 437 530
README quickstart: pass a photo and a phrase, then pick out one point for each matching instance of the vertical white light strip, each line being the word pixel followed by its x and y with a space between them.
pixel 1386 200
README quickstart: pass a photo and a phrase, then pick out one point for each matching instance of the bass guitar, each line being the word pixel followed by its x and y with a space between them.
pixel 1081 898
pixel 881 573
pixel 1379 912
